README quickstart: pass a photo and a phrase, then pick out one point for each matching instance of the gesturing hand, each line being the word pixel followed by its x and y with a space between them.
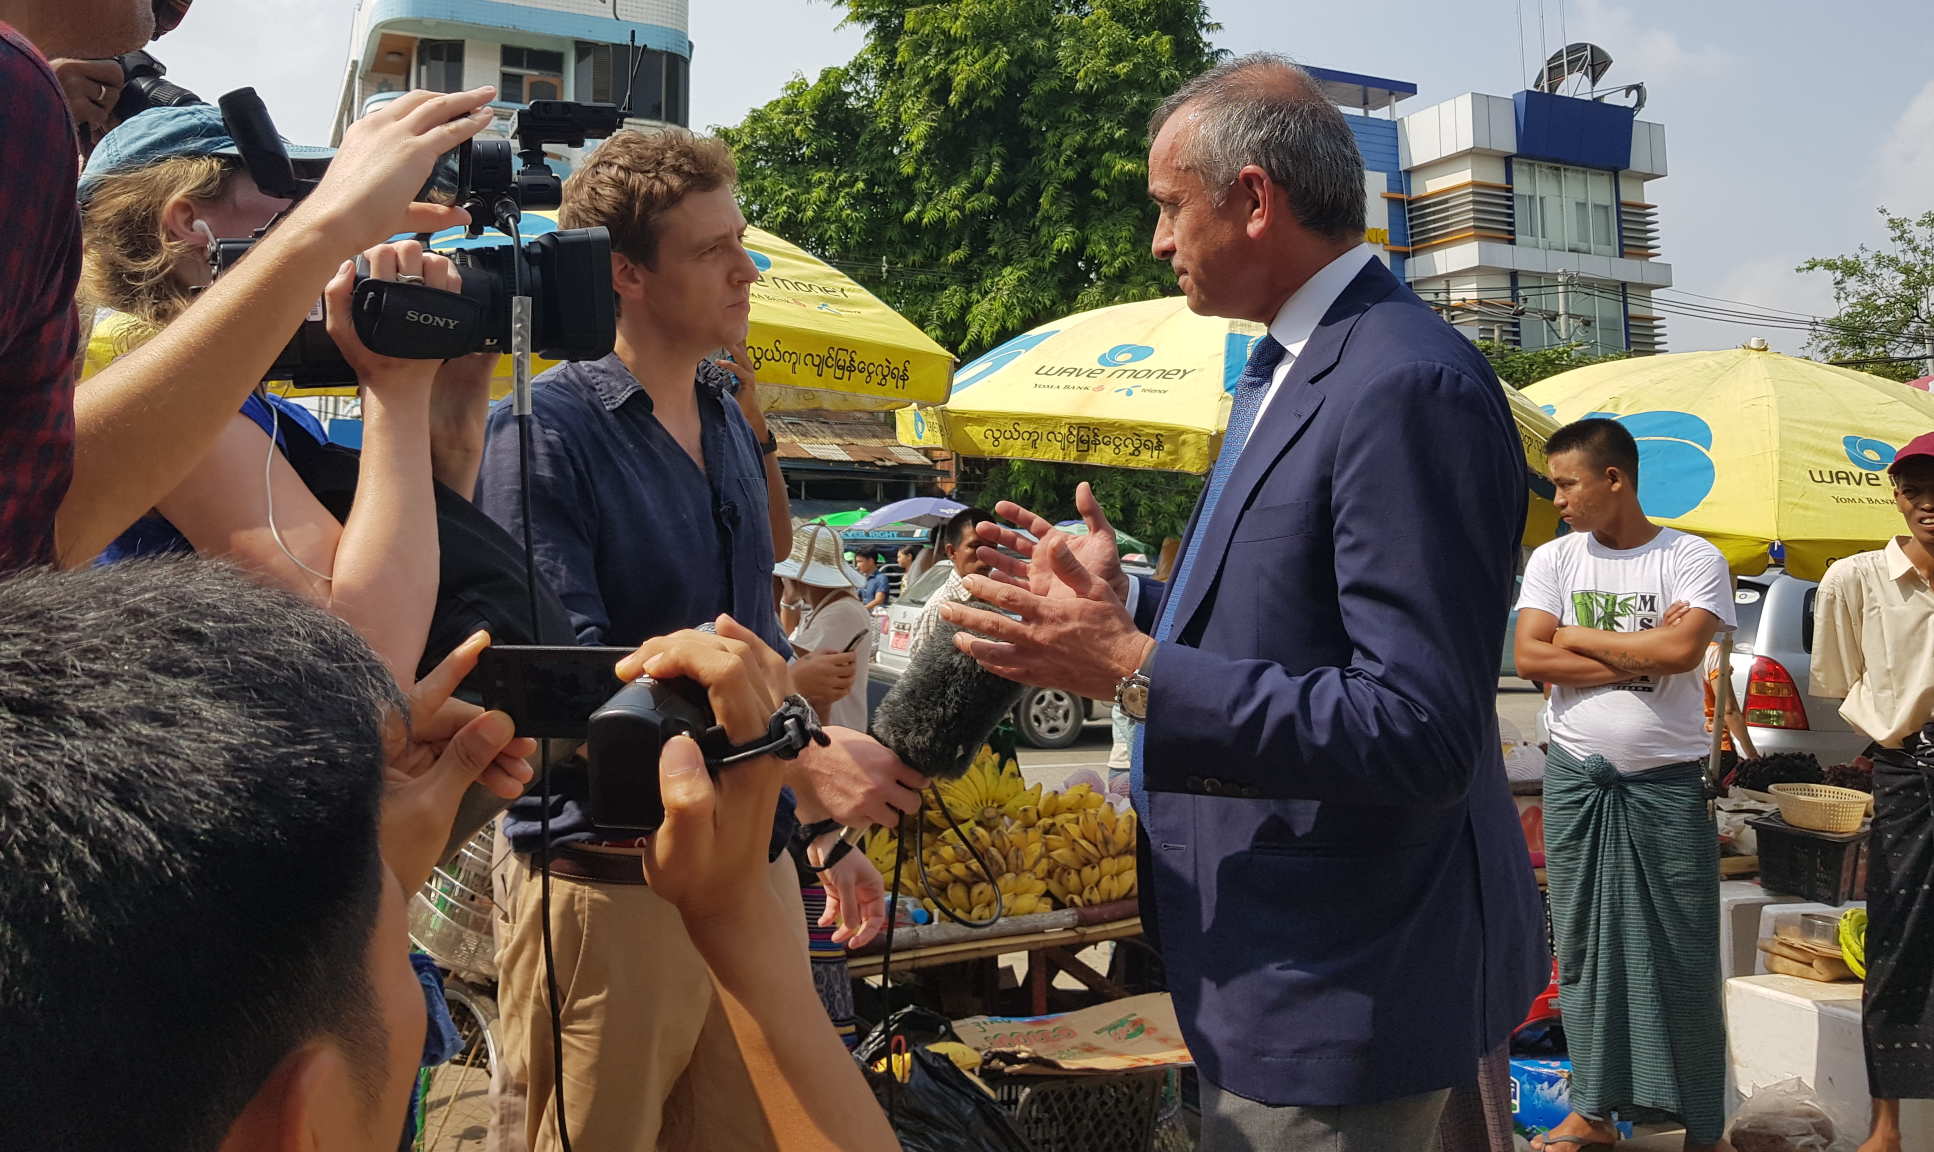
pixel 855 895
pixel 1072 631
pixel 1096 551
pixel 431 759
pixel 824 677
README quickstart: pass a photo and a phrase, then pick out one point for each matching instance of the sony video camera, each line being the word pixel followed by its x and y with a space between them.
pixel 566 274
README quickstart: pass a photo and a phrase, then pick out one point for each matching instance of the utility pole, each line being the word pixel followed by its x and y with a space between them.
pixel 1564 325
pixel 1927 322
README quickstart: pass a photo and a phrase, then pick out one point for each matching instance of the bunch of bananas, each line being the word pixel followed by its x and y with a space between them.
pixel 990 792
pixel 1049 850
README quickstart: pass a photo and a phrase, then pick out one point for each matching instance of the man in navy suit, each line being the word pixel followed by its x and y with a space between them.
pixel 1333 867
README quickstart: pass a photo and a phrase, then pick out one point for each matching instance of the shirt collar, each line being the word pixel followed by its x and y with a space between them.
pixel 1899 565
pixel 614 383
pixel 1297 319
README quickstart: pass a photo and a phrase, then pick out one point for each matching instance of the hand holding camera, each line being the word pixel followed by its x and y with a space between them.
pixel 432 758
pixel 708 858
pixel 404 262
pixel 384 159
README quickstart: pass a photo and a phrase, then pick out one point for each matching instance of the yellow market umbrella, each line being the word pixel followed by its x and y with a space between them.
pixel 1143 385
pixel 1746 447
pixel 824 341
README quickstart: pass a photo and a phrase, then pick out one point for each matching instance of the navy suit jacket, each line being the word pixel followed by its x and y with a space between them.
pixel 1335 872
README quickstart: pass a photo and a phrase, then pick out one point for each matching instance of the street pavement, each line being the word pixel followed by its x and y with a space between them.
pixel 1518 704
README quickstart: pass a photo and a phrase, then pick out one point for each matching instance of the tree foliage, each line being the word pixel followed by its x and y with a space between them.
pixel 980 165
pixel 1523 367
pixel 1884 297
pixel 1145 504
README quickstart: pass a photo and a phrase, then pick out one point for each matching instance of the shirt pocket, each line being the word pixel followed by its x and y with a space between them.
pixel 1277 521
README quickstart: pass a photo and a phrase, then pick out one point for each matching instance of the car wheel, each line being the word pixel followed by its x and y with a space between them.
pixel 1049 717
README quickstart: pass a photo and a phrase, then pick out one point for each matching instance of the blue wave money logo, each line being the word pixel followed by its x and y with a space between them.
pixel 760 260
pixel 1868 453
pixel 919 424
pixel 996 359
pixel 1122 354
pixel 1675 460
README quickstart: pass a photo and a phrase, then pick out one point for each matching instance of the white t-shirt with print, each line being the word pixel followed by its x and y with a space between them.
pixel 1648 721
pixel 830 628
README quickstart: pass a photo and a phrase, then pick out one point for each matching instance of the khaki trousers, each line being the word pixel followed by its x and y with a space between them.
pixel 649 1060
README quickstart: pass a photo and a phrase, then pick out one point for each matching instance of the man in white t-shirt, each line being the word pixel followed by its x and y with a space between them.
pixel 1631 853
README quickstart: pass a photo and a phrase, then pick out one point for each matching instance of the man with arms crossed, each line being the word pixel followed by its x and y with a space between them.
pixel 1616 617
pixel 1873 647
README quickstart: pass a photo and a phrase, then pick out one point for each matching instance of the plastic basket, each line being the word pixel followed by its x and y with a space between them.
pixel 1820 867
pixel 1104 1112
pixel 450 915
pixel 1821 807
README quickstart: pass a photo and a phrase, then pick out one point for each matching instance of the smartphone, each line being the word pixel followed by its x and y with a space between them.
pixel 550 691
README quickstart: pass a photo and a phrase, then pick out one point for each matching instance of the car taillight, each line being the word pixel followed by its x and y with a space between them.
pixel 1772 698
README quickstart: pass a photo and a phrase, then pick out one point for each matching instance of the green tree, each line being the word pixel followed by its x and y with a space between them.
pixel 1884 297
pixel 1143 503
pixel 980 165
pixel 1523 367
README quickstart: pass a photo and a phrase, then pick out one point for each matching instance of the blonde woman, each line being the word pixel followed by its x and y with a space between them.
pixel 155 195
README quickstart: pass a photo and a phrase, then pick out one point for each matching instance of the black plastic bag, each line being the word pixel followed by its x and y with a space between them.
pixel 940 1109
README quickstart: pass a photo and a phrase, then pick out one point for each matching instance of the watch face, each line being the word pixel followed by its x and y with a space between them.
pixel 1134 700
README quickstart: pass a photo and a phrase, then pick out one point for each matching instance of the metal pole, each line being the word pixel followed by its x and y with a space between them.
pixel 1721 693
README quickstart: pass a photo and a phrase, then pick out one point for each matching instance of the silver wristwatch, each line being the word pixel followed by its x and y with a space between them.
pixel 1131 692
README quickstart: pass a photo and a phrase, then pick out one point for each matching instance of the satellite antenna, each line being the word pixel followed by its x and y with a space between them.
pixel 1579 59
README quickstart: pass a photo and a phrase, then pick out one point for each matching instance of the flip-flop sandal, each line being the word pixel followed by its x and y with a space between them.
pixel 1581 1143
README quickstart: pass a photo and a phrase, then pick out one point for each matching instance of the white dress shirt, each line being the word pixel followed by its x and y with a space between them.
pixel 1297 319
pixel 1294 324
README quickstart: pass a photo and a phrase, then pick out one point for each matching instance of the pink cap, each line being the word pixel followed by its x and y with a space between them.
pixel 1922 445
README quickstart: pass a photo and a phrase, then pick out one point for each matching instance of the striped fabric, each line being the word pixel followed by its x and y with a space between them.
pixel 1633 866
pixel 830 979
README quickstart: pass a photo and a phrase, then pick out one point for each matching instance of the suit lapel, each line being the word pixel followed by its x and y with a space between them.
pixel 1289 412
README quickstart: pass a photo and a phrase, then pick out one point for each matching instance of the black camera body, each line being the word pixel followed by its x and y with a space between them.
pixel 626 736
pixel 566 274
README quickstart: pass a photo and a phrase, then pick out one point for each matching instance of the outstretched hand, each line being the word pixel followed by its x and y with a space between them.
pixel 1066 629
pixel 1097 550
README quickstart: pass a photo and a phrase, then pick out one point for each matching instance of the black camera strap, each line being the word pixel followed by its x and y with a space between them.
pixel 793 728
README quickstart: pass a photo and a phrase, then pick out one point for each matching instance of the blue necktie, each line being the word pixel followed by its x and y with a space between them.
pixel 1251 387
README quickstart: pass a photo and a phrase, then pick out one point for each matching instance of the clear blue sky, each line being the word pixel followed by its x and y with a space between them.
pixel 1787 121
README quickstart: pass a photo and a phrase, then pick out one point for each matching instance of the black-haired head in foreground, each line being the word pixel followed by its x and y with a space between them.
pixel 1594 467
pixel 197 932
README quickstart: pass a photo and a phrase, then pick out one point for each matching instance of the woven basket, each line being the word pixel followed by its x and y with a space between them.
pixel 1821 807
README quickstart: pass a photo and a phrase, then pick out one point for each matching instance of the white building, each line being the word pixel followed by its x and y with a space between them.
pixel 530 49
pixel 1528 220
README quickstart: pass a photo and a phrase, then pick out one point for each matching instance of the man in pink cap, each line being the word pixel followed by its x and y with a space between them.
pixel 1874 648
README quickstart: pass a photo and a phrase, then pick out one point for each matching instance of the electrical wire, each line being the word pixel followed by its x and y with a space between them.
pixel 268 490
pixel 508 223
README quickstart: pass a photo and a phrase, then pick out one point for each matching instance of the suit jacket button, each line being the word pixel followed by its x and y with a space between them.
pixel 1193 783
pixel 1212 786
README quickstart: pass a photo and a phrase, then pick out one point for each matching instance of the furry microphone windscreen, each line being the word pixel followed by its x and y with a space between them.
pixel 943 707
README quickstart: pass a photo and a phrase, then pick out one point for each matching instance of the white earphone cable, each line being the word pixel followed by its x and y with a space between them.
pixel 268 491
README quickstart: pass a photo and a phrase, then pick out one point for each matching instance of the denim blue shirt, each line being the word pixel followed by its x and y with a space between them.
pixel 632 535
